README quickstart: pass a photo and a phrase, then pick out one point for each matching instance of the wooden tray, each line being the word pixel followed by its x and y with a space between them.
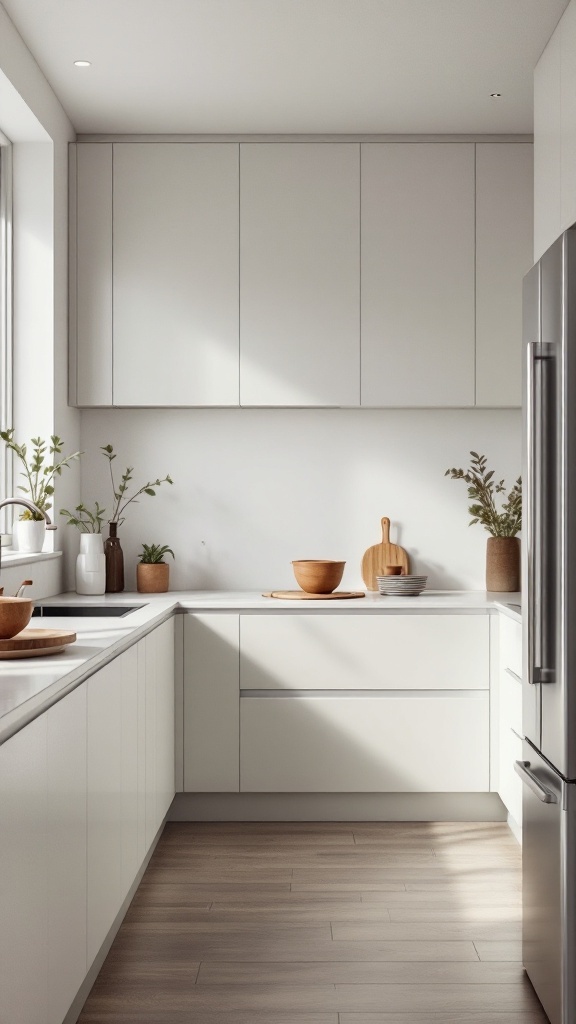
pixel 383 554
pixel 36 643
pixel 301 595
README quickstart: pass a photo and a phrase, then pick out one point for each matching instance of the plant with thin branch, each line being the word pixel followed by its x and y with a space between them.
pixel 121 491
pixel 482 489
pixel 85 519
pixel 41 466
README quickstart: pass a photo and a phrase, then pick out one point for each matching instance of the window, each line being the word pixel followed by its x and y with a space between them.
pixel 5 316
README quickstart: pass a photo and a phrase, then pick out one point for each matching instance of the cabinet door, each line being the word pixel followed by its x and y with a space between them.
pixel 24 877
pixel 164 644
pixel 131 853
pixel 547 147
pixel 299 260
pixel 567 32
pixel 364 652
pixel 435 743
pixel 417 274
pixel 211 698
pixel 504 245
pixel 175 274
pixel 66 723
pixel 91 271
pixel 104 776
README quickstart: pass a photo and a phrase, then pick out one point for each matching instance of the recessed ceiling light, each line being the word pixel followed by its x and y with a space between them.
pixel 82 63
pixel 495 95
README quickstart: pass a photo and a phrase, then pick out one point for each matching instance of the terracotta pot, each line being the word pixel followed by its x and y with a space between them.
pixel 152 577
pixel 15 614
pixel 503 564
pixel 318 577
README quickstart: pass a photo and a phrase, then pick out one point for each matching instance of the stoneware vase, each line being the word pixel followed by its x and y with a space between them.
pixel 503 564
pixel 152 577
pixel 91 565
pixel 29 535
pixel 114 562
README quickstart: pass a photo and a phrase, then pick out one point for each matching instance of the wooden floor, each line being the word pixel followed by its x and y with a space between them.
pixel 303 923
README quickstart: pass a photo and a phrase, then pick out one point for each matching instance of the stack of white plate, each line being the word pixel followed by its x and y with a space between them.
pixel 401 586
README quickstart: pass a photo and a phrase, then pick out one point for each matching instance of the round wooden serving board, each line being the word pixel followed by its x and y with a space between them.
pixel 301 595
pixel 383 554
pixel 34 643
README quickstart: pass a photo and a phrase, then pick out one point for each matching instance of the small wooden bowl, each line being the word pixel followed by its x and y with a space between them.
pixel 392 570
pixel 15 614
pixel 317 576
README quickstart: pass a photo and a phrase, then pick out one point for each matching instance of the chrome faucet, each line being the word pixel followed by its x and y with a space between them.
pixel 31 508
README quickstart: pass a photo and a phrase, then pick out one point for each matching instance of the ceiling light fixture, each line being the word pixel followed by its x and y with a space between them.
pixel 495 95
pixel 82 63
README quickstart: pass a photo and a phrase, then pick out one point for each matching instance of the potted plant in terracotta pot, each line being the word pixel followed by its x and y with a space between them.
pixel 90 563
pixel 503 546
pixel 152 572
pixel 42 464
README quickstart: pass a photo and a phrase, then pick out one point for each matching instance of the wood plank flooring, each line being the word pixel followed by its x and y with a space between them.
pixel 329 923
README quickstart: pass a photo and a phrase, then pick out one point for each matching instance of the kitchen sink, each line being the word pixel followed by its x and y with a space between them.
pixel 85 610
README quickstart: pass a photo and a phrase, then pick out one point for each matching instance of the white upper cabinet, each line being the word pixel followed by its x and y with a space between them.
pixel 91 274
pixel 547 147
pixel 417 274
pixel 299 274
pixel 504 202
pixel 175 274
pixel 567 115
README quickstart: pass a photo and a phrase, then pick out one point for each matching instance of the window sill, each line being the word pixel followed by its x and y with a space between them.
pixel 11 557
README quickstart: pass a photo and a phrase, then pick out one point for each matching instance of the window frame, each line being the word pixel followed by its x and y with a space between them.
pixel 6 323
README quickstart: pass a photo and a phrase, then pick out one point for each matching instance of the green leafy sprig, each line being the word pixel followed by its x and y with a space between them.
pixel 120 492
pixel 152 554
pixel 482 489
pixel 85 519
pixel 41 465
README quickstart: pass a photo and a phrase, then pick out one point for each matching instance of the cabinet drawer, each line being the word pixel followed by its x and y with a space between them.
pixel 511 645
pixel 396 744
pixel 366 652
pixel 510 702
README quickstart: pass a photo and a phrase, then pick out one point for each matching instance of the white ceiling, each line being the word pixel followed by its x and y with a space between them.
pixel 245 66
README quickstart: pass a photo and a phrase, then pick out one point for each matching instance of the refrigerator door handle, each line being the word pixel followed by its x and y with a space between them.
pixel 522 768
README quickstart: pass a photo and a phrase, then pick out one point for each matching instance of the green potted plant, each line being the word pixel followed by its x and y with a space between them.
pixel 121 501
pixel 90 563
pixel 503 546
pixel 152 572
pixel 42 464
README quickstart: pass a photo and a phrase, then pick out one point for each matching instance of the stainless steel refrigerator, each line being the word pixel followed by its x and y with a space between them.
pixel 548 768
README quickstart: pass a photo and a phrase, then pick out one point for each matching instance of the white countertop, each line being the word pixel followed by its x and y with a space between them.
pixel 29 686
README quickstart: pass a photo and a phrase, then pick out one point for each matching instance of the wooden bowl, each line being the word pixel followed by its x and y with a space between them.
pixel 392 570
pixel 15 614
pixel 317 576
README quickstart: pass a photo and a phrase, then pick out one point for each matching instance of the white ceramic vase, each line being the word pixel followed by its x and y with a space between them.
pixel 29 535
pixel 91 565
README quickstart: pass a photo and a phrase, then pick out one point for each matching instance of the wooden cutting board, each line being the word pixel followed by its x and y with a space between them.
pixel 33 643
pixel 383 554
pixel 301 595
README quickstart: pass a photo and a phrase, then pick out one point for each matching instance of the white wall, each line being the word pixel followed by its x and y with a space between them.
pixel 257 488
pixel 32 117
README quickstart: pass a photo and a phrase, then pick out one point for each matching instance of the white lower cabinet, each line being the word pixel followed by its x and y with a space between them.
pixel 66 835
pixel 510 715
pixel 24 877
pixel 365 744
pixel 300 702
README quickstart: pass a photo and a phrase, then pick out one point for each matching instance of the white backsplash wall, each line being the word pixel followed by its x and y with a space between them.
pixel 256 488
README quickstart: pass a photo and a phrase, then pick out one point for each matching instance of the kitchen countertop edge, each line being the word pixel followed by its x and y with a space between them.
pixel 106 638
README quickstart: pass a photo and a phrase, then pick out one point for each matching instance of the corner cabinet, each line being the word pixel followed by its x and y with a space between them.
pixel 298 703
pixel 297 274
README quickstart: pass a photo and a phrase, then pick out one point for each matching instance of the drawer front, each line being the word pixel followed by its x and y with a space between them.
pixel 365 652
pixel 510 702
pixel 511 645
pixel 510 789
pixel 336 744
